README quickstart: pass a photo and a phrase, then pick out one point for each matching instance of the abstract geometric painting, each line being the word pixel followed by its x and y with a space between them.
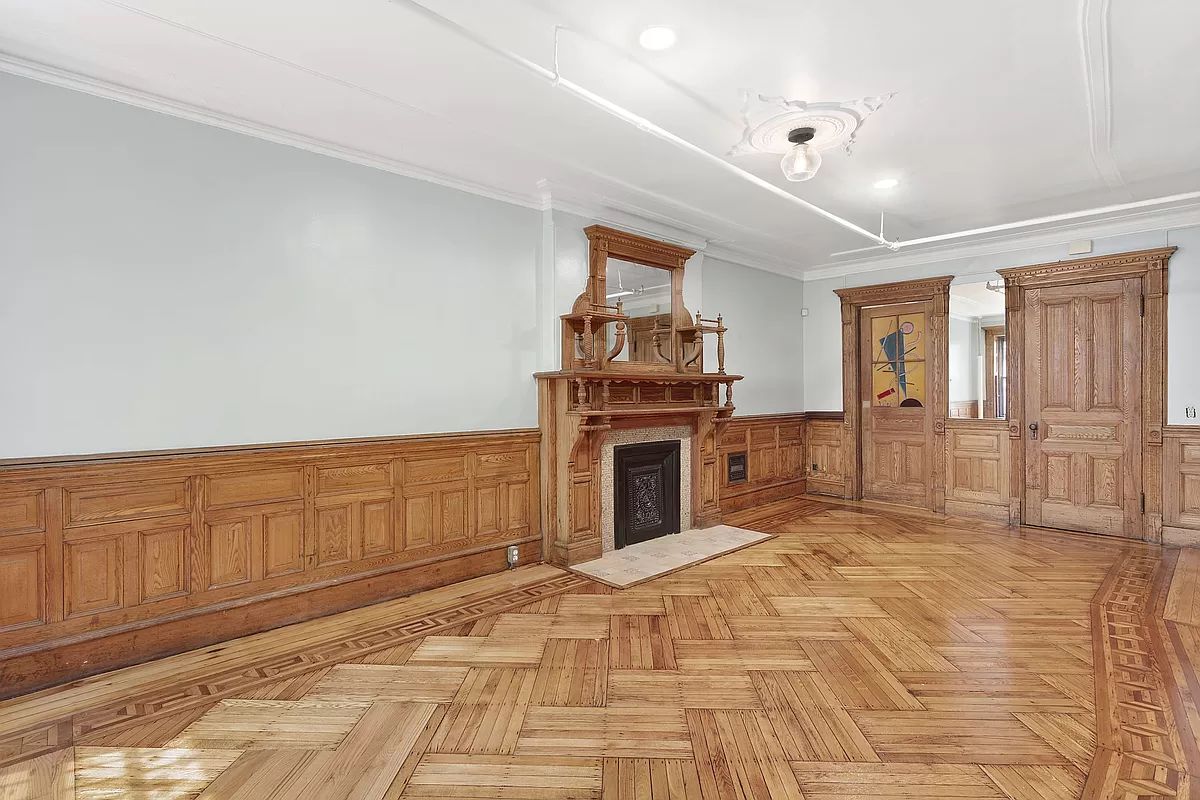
pixel 898 361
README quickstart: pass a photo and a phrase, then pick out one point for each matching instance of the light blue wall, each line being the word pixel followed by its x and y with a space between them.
pixel 765 341
pixel 822 329
pixel 168 284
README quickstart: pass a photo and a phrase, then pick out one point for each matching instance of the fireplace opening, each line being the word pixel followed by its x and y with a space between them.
pixel 645 492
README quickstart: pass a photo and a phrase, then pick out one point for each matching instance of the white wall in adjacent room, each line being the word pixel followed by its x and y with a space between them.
pixel 964 360
pixel 823 332
pixel 164 284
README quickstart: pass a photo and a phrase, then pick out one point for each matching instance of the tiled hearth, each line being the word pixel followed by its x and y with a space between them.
pixel 640 562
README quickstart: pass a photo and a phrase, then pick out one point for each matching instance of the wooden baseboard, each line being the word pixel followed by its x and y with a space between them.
pixel 961 508
pixel 833 488
pixel 1180 537
pixel 756 496
pixel 71 660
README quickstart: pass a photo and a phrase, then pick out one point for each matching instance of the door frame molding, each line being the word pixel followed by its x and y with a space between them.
pixel 1151 267
pixel 854 299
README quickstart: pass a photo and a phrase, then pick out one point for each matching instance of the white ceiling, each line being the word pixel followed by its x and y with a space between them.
pixel 975 300
pixel 1004 111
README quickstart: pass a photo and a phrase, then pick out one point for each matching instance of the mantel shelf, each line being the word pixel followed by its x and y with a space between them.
pixel 648 412
pixel 597 317
pixel 640 377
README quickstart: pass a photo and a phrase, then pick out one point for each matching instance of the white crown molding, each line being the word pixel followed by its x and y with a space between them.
pixel 964 317
pixel 557 197
pixel 229 122
pixel 744 257
pixel 1138 222
pixel 1097 78
pixel 549 195
pixel 641 220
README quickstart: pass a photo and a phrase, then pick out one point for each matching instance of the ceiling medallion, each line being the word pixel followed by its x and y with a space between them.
pixel 774 125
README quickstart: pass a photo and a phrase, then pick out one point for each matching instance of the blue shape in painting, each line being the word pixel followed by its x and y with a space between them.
pixel 894 351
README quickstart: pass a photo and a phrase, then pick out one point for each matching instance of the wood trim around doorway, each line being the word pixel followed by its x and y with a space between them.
pixel 990 334
pixel 937 291
pixel 1151 267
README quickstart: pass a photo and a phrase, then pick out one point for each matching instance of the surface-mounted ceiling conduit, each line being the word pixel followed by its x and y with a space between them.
pixel 641 123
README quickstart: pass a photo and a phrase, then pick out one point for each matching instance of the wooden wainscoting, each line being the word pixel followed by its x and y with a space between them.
pixel 964 409
pixel 774 448
pixel 977 468
pixel 1181 485
pixel 824 435
pixel 110 561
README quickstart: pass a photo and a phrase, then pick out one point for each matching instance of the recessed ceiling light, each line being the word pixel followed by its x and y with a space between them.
pixel 657 37
pixel 887 183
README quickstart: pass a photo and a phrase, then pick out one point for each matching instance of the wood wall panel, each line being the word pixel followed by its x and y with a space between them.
pixel 92 582
pixel 977 468
pixel 22 513
pixel 103 547
pixel 825 449
pixel 1181 485
pixel 162 563
pixel 22 600
pixel 94 505
pixel 253 488
pixel 774 448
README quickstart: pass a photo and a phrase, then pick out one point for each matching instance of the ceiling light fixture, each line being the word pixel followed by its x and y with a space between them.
pixel 887 183
pixel 657 37
pixel 802 161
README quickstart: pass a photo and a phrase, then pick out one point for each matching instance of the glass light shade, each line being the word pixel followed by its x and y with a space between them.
pixel 800 163
pixel 657 37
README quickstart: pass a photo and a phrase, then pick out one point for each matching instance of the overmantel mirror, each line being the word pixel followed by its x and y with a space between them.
pixel 630 316
pixel 978 350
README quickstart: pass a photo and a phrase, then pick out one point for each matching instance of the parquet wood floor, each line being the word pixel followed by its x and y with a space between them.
pixel 863 653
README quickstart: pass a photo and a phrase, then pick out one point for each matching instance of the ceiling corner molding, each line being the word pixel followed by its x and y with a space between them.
pixel 151 102
pixel 1097 77
pixel 1139 222
pixel 742 257
pixel 557 197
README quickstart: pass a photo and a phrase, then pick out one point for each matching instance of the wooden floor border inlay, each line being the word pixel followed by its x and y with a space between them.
pixel 863 651
pixel 1138 752
pixel 60 733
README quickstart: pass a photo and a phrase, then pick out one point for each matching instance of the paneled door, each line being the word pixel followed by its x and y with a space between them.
pixel 897 425
pixel 1083 407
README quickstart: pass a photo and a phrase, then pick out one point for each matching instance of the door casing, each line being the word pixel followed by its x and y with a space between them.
pixel 936 292
pixel 1150 267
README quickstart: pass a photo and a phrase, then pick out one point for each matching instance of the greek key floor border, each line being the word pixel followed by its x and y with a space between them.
pixel 1139 752
pixel 225 682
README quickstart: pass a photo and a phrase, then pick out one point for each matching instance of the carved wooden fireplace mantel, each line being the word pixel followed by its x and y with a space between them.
pixel 602 388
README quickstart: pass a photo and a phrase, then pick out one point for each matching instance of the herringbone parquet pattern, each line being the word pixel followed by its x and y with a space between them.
pixel 861 654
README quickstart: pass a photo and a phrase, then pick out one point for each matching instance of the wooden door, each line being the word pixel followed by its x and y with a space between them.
pixel 1083 407
pixel 897 424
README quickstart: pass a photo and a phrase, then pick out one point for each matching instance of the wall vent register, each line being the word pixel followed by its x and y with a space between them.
pixel 735 468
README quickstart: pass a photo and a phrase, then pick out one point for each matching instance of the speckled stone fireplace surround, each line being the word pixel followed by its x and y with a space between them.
pixel 617 438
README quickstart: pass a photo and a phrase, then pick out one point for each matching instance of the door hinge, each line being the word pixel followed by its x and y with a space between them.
pixel 1143 299
pixel 1143 502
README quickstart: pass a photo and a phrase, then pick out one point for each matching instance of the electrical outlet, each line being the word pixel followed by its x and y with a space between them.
pixel 1191 412
pixel 513 554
